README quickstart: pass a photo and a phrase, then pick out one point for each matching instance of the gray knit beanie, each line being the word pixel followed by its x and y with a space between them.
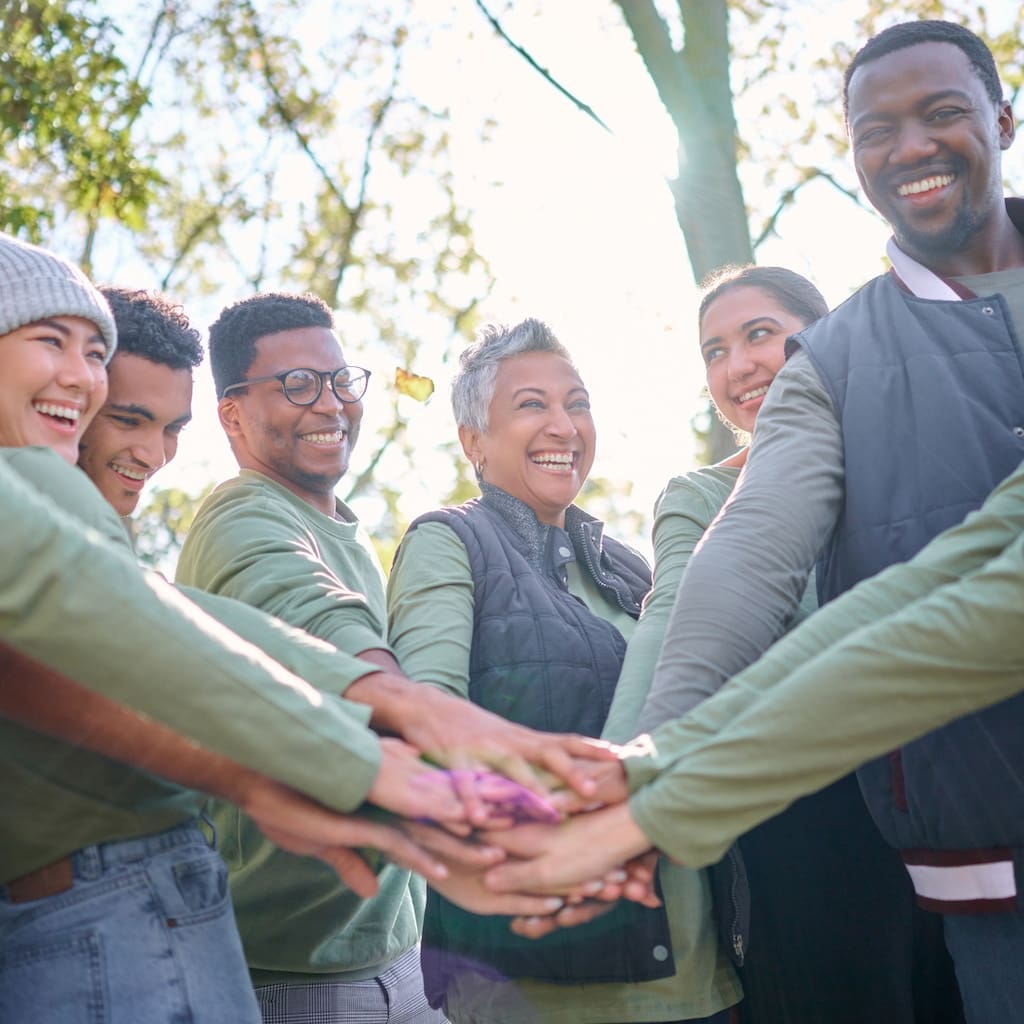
pixel 36 284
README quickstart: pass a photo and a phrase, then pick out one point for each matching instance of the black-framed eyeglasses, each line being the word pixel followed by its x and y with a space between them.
pixel 303 386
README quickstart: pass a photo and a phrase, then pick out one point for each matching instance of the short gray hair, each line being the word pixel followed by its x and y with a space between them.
pixel 473 386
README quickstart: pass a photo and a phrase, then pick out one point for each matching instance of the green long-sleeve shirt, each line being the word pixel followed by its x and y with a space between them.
pixel 73 597
pixel 255 541
pixel 430 612
pixel 913 648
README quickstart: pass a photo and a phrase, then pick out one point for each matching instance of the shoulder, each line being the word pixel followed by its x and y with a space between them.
pixel 699 494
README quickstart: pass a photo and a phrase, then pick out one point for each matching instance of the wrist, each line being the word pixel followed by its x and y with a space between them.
pixel 389 698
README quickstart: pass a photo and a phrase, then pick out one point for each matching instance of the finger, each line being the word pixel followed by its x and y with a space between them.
pixel 533 927
pixel 524 876
pixel 523 841
pixel 450 848
pixel 523 803
pixel 352 870
pixel 558 757
pixel 637 892
pixel 404 852
pixel 463 775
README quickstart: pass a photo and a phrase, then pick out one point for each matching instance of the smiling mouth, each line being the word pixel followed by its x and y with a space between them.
pixel 556 461
pixel 68 415
pixel 756 393
pixel 325 438
pixel 916 188
pixel 135 475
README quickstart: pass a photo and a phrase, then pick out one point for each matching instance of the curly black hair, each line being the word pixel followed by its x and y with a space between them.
pixel 234 334
pixel 152 326
pixel 910 33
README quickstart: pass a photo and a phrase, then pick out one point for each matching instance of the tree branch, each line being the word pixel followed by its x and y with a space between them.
pixel 543 72
pixel 788 197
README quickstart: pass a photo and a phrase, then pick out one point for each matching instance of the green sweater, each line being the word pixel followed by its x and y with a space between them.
pixel 430 610
pixel 255 541
pixel 682 514
pixel 917 646
pixel 68 579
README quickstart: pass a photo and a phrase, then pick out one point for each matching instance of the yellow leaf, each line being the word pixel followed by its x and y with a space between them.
pixel 411 384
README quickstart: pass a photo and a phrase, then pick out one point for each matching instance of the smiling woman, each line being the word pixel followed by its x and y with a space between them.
pixel 519 602
pixel 56 335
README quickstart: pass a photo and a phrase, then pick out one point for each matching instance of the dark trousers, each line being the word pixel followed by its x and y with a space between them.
pixel 835 933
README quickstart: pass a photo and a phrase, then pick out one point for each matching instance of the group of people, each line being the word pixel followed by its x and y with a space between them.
pixel 286 788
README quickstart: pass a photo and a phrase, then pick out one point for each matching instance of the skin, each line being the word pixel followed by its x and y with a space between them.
pixel 286 442
pixel 742 340
pixel 136 432
pixel 57 365
pixel 920 117
pixel 540 410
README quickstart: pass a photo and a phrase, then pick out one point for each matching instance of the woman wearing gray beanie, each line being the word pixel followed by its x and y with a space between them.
pixel 57 334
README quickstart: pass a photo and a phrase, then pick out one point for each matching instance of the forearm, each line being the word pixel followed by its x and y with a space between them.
pixel 319 663
pixel 746 578
pixel 70 601
pixel 948 654
pixel 958 552
pixel 47 701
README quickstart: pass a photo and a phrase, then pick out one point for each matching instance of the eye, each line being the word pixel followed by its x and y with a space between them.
pixel 131 422
pixel 712 353
pixel 175 429
pixel 757 333
pixel 531 403
pixel 580 403
pixel 98 355
pixel 945 113
pixel 301 384
pixel 870 136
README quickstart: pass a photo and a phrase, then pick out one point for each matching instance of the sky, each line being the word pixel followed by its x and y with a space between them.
pixel 578 228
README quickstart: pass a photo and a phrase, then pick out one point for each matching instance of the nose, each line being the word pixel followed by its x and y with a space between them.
pixel 77 371
pixel 150 449
pixel 327 402
pixel 560 423
pixel 913 143
pixel 741 363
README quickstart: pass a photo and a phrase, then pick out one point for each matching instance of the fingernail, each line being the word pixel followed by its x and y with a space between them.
pixel 554 903
pixel 593 887
pixel 617 876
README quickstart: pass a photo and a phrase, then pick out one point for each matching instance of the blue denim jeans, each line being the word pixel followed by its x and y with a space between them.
pixel 145 935
pixel 988 953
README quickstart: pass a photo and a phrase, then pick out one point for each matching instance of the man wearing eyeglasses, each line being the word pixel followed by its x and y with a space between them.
pixel 277 537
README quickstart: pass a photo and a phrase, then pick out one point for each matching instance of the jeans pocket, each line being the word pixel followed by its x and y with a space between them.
pixel 202 885
pixel 60 981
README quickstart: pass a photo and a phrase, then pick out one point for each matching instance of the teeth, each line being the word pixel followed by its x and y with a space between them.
pixel 914 188
pixel 64 412
pixel 132 474
pixel 335 437
pixel 554 458
pixel 756 393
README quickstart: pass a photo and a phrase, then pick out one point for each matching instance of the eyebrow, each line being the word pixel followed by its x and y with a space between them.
pixel 717 339
pixel 541 391
pixel 925 101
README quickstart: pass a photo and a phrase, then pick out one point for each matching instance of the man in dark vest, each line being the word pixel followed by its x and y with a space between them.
pixel 895 416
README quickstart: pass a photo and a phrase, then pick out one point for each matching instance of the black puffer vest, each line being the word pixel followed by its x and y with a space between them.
pixel 541 658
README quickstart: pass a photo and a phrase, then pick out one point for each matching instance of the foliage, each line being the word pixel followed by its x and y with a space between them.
pixel 224 147
pixel 67 148
pixel 159 528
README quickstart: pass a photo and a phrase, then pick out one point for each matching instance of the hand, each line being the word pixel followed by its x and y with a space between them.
pixel 468 852
pixel 567 917
pixel 609 787
pixel 408 786
pixel 458 734
pixel 559 860
pixel 465 888
pixel 300 826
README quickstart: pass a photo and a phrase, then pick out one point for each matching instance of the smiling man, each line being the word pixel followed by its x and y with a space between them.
pixel 278 538
pixel 149 400
pixel 895 416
